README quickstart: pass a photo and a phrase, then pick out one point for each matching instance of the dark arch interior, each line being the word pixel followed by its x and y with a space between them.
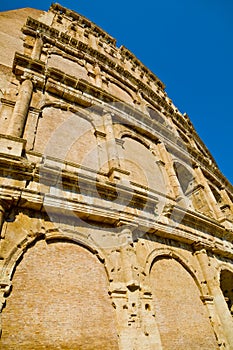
pixel 184 176
pixel 226 284
pixel 216 194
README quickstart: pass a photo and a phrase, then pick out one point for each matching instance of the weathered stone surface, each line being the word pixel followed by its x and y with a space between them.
pixel 11 40
pixel 116 225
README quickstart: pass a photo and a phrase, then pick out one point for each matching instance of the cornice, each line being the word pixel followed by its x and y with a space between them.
pixel 69 43
pixel 67 87
pixel 137 63
pixel 99 211
pixel 112 67
pixel 53 172
pixel 83 22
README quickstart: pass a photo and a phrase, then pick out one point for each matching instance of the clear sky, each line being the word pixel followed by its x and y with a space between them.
pixel 188 44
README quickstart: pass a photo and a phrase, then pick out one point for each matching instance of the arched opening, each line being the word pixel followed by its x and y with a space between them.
pixel 65 135
pixel 180 314
pixel 141 164
pixel 185 177
pixel 216 194
pixel 59 300
pixel 226 285
pixel 120 92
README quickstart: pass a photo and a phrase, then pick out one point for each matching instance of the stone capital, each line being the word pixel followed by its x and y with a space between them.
pixel 202 247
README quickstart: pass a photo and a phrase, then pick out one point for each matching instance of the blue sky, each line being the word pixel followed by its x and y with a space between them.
pixel 188 44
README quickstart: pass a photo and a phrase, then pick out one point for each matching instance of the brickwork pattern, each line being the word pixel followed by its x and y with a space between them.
pixel 59 301
pixel 182 318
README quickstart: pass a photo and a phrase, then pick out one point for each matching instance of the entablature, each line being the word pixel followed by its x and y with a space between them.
pixel 70 43
pixel 193 229
pixel 83 22
pixel 69 87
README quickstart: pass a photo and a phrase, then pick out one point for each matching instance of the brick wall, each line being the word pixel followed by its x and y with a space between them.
pixel 59 301
pixel 182 317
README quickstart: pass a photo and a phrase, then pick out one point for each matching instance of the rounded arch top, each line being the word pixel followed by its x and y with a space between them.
pixel 66 292
pixel 169 253
pixel 224 266
pixel 18 252
pixel 70 108
pixel 135 137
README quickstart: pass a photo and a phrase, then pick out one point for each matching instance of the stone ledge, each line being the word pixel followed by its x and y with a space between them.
pixel 13 146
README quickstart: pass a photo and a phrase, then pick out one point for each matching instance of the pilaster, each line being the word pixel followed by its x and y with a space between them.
pixel 115 170
pixel 136 323
pixel 18 118
pixel 167 159
pixel 37 49
pixel 208 193
pixel 221 318
pixel 19 115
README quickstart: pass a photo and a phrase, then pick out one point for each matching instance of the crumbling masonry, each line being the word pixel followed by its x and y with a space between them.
pixel 116 223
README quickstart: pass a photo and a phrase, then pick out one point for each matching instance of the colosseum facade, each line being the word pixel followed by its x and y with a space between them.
pixel 116 223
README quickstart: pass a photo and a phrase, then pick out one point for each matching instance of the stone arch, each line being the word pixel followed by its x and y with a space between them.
pixel 123 133
pixel 223 266
pixel 69 107
pixel 119 90
pixel 183 136
pixel 57 282
pixel 172 254
pixel 135 137
pixel 182 318
pixel 67 64
pixel 201 148
pixel 22 247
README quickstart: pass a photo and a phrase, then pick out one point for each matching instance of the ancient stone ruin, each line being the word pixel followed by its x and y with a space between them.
pixel 116 223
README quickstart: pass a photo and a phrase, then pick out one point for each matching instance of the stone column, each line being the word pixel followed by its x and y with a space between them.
pixel 226 202
pixel 115 170
pixel 98 78
pixel 19 116
pixel 136 324
pixel 125 294
pixel 151 335
pixel 129 260
pixel 37 49
pixel 215 291
pixel 209 194
pixel 113 158
pixel 226 208
pixel 167 159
